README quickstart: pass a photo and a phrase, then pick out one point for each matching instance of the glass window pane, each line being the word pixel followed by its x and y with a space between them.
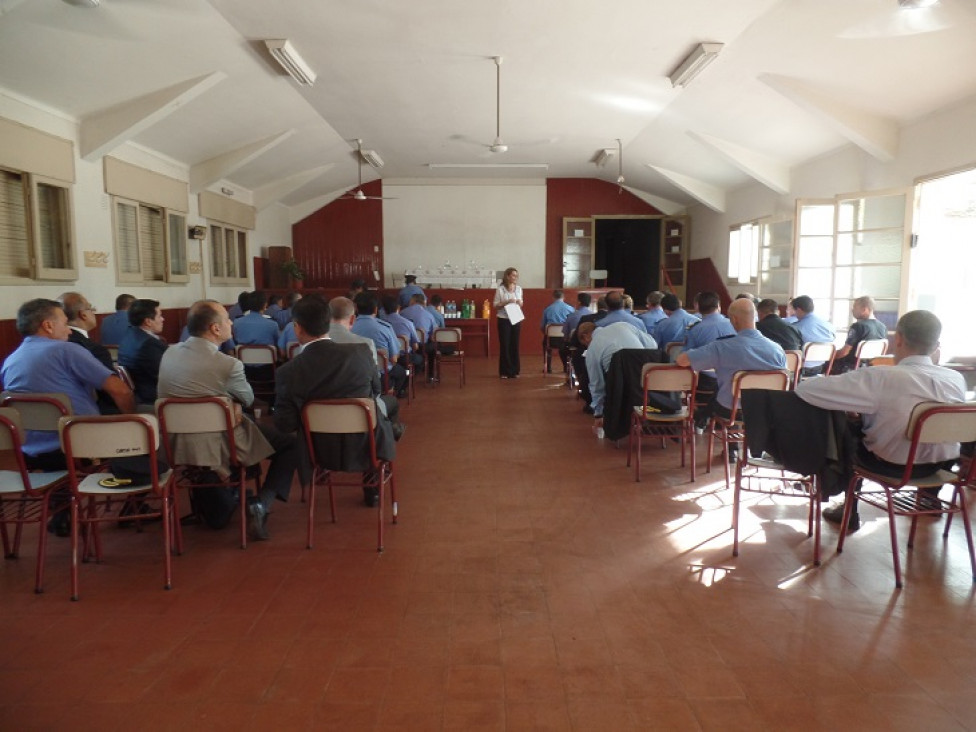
pixel 843 279
pixel 817 220
pixel 876 212
pixel 814 282
pixel 845 249
pixel 841 316
pixel 177 245
pixel 14 259
pixel 878 247
pixel 880 281
pixel 774 283
pixel 52 215
pixel 816 251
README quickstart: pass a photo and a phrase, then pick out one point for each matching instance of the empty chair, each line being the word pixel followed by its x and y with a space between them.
pixel 869 350
pixel 447 343
pixel 99 497
pixel 293 349
pixel 673 349
pixel 259 368
pixel 648 420
pixel 25 497
pixel 816 353
pixel 930 422
pixel 345 418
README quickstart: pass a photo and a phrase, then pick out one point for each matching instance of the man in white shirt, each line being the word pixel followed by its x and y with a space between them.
pixel 600 345
pixel 885 397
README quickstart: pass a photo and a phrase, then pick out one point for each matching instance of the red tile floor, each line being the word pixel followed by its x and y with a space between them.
pixel 530 584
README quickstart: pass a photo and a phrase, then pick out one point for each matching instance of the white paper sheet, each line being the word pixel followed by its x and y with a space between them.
pixel 514 313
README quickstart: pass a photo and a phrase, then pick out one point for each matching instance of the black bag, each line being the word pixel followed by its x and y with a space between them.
pixel 213 504
pixel 135 470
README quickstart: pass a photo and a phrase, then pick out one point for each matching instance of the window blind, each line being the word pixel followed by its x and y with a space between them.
pixel 14 259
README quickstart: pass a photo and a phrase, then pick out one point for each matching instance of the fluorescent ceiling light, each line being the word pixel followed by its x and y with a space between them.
pixel 83 3
pixel 286 55
pixel 372 157
pixel 694 63
pixel 543 166
pixel 604 155
pixel 917 4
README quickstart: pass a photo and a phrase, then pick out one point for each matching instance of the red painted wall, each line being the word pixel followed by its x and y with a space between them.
pixel 582 197
pixel 335 244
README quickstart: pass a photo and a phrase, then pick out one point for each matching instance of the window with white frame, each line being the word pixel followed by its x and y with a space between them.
pixel 228 255
pixel 150 243
pixel 36 239
pixel 761 255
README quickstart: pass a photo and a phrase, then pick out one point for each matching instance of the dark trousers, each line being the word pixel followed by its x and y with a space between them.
pixel 548 344
pixel 508 348
pixel 286 459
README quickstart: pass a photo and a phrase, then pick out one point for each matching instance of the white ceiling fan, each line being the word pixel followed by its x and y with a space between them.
pixel 358 194
pixel 620 166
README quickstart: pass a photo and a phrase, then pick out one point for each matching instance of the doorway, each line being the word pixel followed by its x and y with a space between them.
pixel 630 250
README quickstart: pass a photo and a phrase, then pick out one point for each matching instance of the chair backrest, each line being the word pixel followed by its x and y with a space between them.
pixel 421 336
pixel 554 330
pixel 793 360
pixel 932 422
pixel 293 348
pixel 817 352
pixel 404 343
pixel 113 351
pixel 256 354
pixel 182 416
pixel 447 335
pixel 673 349
pixel 886 360
pixel 39 412
pixel 340 417
pixel 108 436
pixel 10 429
pixel 126 377
pixel 771 380
pixel 867 350
pixel 667 377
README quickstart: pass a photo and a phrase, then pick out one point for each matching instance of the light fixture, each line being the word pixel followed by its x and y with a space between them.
pixel 286 55
pixel 603 156
pixel 83 3
pixel 372 157
pixel 917 4
pixel 543 166
pixel 694 63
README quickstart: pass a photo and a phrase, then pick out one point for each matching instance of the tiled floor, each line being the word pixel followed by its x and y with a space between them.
pixel 530 584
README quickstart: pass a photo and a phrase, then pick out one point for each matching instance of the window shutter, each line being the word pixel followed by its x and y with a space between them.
pixel 127 237
pixel 14 259
pixel 53 246
pixel 152 246
pixel 176 265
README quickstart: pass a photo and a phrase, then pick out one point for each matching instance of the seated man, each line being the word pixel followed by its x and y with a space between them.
pixel 673 328
pixel 616 313
pixel 776 328
pixel 283 316
pixel 555 313
pixel 197 368
pixel 885 397
pixel 255 328
pixel 865 328
pixel 81 321
pixel 749 350
pixel 367 324
pixel 418 314
pixel 142 348
pixel 329 370
pixel 114 326
pixel 654 313
pixel 434 308
pixel 813 329
pixel 601 344
pixel 409 289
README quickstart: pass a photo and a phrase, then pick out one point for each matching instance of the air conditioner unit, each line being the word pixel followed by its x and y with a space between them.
pixel 372 157
pixel 603 156
pixel 286 55
pixel 694 63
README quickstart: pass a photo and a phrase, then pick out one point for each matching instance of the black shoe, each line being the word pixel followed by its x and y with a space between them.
pixel 835 514
pixel 60 524
pixel 371 497
pixel 587 409
pixel 259 519
pixel 398 429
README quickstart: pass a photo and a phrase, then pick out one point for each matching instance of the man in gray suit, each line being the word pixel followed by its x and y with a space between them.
pixel 197 368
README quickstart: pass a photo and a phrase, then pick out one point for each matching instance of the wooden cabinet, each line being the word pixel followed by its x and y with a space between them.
pixel 674 256
pixel 578 252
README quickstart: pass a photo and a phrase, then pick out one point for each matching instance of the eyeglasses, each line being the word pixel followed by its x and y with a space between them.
pixel 90 309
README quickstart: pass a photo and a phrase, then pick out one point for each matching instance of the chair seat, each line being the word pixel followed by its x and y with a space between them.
pixel 90 486
pixel 934 480
pixel 10 482
pixel 659 417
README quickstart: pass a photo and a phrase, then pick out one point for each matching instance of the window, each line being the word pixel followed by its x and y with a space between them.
pixel 35 228
pixel 150 243
pixel 228 255
pixel 761 254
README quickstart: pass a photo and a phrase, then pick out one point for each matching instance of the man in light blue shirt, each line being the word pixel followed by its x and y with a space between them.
pixel 583 301
pixel 254 328
pixel 114 326
pixel 601 343
pixel 617 314
pixel 673 329
pixel 370 326
pixel 712 326
pixel 555 314
pixel 655 313
pixel 432 308
pixel 409 289
pixel 813 329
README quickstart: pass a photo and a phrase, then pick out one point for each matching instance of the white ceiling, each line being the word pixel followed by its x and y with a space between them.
pixel 416 82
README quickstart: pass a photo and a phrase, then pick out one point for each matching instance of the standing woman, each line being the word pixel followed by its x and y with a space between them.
pixel 508 292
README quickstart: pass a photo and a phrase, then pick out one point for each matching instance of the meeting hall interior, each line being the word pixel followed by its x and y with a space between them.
pixel 184 150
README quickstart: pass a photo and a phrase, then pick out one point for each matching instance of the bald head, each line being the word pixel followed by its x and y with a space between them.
pixel 742 313
pixel 584 333
pixel 342 309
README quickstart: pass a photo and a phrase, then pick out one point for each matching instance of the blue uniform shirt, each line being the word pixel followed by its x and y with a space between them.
pixel 573 319
pixel 407 292
pixel 750 350
pixel 401 326
pixel 113 327
pixel 255 329
pixel 369 326
pixel 621 316
pixel 652 318
pixel 673 328
pixel 437 315
pixel 712 327
pixel 421 318
pixel 814 329
pixel 557 312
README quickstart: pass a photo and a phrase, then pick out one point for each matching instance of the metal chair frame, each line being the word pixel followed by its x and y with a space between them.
pixel 643 420
pixel 452 337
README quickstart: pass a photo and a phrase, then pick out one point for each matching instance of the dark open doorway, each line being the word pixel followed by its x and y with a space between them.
pixel 630 251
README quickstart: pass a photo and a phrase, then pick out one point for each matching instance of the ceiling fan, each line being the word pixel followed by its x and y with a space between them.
pixel 893 18
pixel 358 194
pixel 620 166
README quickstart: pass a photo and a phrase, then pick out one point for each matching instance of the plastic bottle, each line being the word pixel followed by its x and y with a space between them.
pixel 485 310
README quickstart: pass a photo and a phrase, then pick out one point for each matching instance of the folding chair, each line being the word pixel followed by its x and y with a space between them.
pixel 448 337
pixel 817 352
pixel 673 348
pixel 868 350
pixel 646 420
pixel 113 352
pixel 554 332
pixel 766 476
pixel 25 497
pixel 409 367
pixel 346 417
pixel 95 495
pixel 929 423
pixel 730 431
pixel 292 350
pixel 198 416
pixel 259 368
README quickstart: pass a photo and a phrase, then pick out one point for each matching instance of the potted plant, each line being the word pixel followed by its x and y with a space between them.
pixel 294 272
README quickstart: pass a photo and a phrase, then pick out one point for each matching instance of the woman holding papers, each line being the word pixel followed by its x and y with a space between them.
pixel 508 307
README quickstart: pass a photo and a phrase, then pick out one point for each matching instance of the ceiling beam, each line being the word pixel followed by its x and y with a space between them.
pixel 664 205
pixel 875 134
pixel 771 173
pixel 708 194
pixel 102 132
pixel 210 171
pixel 276 190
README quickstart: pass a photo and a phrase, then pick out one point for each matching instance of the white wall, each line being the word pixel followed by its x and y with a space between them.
pixel 938 143
pixel 496 225
pixel 93 225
